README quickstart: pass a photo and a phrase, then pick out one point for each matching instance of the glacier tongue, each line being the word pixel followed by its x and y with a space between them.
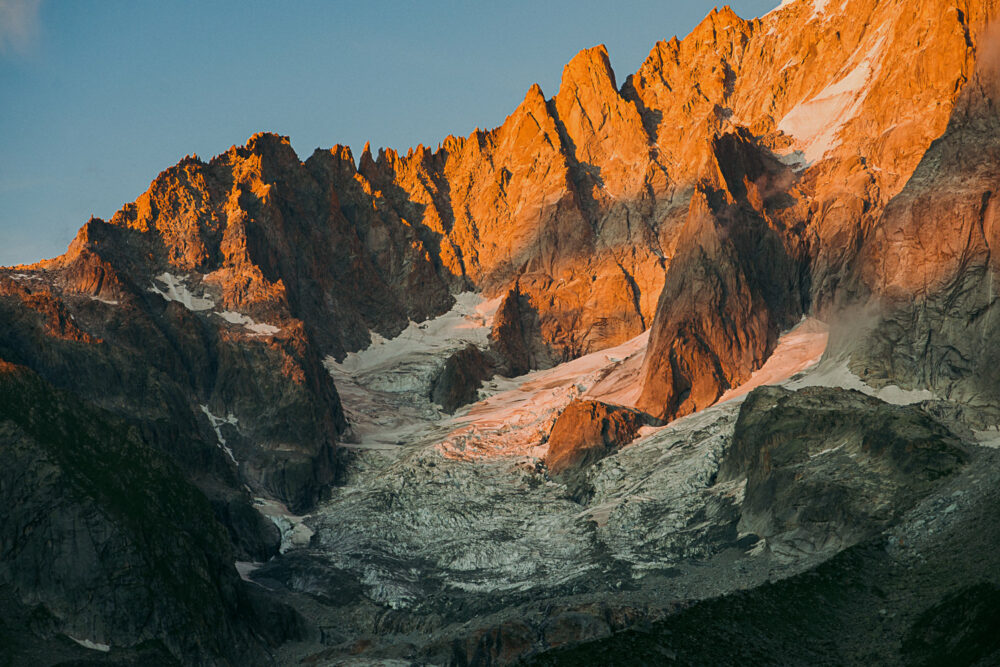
pixel 451 516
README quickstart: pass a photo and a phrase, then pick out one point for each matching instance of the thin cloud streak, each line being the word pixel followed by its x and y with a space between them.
pixel 18 25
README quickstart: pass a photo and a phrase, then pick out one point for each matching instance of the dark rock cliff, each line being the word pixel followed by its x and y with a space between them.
pixel 103 541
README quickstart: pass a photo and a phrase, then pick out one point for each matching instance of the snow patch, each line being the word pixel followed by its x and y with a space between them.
pixel 798 362
pixel 828 450
pixel 217 423
pixel 256 329
pixel 385 388
pixel 799 349
pixel 109 302
pixel 92 645
pixel 819 7
pixel 816 123
pixel 175 290
pixel 517 415
pixel 469 321
pixel 245 568
pixel 836 373
pixel 988 438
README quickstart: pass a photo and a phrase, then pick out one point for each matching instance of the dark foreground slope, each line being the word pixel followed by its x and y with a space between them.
pixel 863 607
pixel 103 541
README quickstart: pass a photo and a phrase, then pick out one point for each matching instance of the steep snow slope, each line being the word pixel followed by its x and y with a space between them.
pixel 385 388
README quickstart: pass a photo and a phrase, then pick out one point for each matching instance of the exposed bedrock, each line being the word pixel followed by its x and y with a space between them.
pixel 517 339
pixel 739 278
pixel 104 542
pixel 223 402
pixel 458 383
pixel 587 431
pixel 827 468
pixel 930 267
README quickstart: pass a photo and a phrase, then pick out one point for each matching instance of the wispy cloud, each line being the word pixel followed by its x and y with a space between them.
pixel 18 25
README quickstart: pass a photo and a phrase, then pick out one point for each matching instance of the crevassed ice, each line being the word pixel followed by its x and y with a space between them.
pixel 385 388
pixel 294 531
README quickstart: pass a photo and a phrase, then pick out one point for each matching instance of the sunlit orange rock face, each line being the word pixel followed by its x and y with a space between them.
pixel 588 431
pixel 929 269
pixel 851 98
pixel 735 182
pixel 581 197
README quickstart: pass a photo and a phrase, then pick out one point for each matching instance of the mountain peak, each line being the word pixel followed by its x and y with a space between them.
pixel 829 160
pixel 534 94
pixel 589 65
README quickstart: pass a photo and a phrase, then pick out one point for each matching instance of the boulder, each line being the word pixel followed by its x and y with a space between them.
pixel 587 431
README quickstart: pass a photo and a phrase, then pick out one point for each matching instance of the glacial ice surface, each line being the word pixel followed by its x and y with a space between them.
pixel 455 507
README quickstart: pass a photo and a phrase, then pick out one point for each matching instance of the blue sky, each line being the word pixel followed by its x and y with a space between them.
pixel 96 98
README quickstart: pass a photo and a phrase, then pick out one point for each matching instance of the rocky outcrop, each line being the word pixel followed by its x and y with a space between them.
pixel 516 336
pixel 827 468
pixel 927 269
pixel 228 405
pixel 830 110
pixel 739 278
pixel 891 519
pixel 586 432
pixel 459 381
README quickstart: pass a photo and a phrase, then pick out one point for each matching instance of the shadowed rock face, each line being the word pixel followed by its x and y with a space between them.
pixel 739 278
pixel 929 267
pixel 892 520
pixel 103 540
pixel 459 381
pixel 827 468
pixel 516 337
pixel 167 368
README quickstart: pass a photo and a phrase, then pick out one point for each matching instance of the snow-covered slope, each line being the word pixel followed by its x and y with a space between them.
pixel 385 388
